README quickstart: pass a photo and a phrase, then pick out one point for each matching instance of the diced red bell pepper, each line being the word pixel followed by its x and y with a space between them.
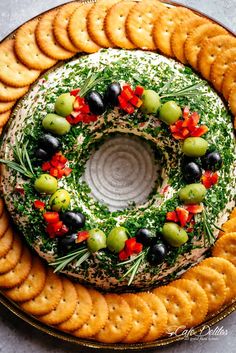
pixel 20 190
pixel 178 136
pixel 128 88
pixel 194 209
pixel 214 178
pixel 61 173
pixel 74 92
pixel 182 216
pixel 85 109
pixel 185 132
pixel 67 171
pixel 139 91
pixel 138 248
pixel 172 216
pixel 54 172
pixel 54 228
pixel 129 109
pixel 46 166
pixel 122 101
pixel 64 230
pixel 39 204
pixel 127 94
pixel 199 131
pixel 123 255
pixel 190 216
pixel 93 117
pixel 136 101
pixel 82 236
pixel 209 179
pixel 186 112
pixel 51 217
pixel 130 245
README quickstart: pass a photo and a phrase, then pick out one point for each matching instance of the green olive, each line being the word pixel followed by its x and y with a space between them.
pixel 116 239
pixel 64 104
pixel 174 234
pixel 170 112
pixel 56 124
pixel 60 200
pixel 151 102
pixel 195 147
pixel 45 184
pixel 96 240
pixel 192 193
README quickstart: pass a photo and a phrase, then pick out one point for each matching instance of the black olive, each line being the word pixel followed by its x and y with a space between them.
pixel 49 143
pixel 144 236
pixel 95 101
pixel 73 220
pixel 212 161
pixel 157 253
pixel 112 93
pixel 68 242
pixel 192 172
pixel 42 155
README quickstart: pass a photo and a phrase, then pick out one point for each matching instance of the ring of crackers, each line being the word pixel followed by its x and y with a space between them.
pixel 23 278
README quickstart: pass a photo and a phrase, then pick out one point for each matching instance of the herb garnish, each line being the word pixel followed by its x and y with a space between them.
pixel 209 237
pixel 137 261
pixel 22 162
pixel 79 255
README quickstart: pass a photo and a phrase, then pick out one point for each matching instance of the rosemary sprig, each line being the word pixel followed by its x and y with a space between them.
pixel 137 261
pixel 207 229
pixel 91 81
pixel 187 91
pixel 79 255
pixel 22 163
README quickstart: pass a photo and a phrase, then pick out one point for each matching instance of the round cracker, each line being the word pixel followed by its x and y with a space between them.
pixel 165 25
pixel 212 283
pixel 78 30
pixel 66 306
pixel 197 299
pixel 10 260
pixel 220 66
pixel 232 105
pixel 95 22
pixel 6 106
pixel 115 24
pixel 227 270
pixel 61 23
pixel 4 117
pixel 233 214
pixel 180 35
pixel 4 220
pixel 226 247
pixel 82 311
pixel 46 40
pixel 177 306
pixel 228 227
pixel 9 94
pixel 141 318
pixel 32 285
pixel 140 22
pixel 98 316
pixel 28 50
pixel 119 320
pixel 6 242
pixel 196 39
pixel 158 314
pixel 229 80
pixel 48 298
pixel 12 71
pixel 209 51
pixel 19 273
pixel 2 209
